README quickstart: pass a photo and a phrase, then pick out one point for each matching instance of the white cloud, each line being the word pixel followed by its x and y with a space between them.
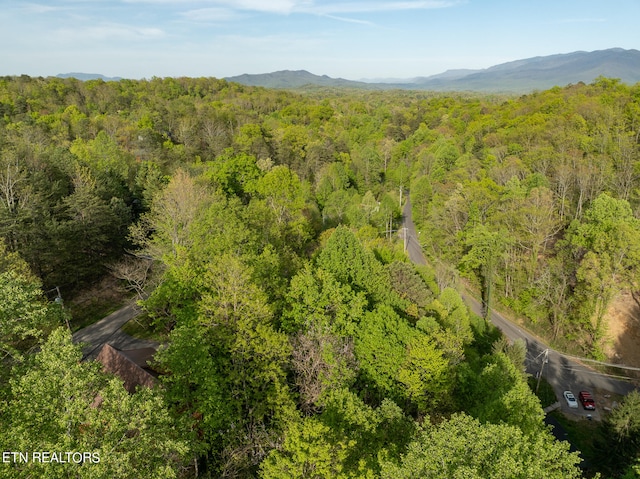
pixel 214 14
pixel 348 20
pixel 371 7
pixel 318 7
pixel 271 6
pixel 108 32
pixel 37 8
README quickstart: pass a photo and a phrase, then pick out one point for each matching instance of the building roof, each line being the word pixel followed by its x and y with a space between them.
pixel 128 365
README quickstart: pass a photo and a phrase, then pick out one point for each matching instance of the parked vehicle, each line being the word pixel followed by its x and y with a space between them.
pixel 571 399
pixel 587 400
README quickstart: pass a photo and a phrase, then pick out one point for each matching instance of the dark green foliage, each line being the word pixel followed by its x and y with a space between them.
pixel 495 391
pixel 234 174
pixel 616 446
pixel 346 259
pixel 410 287
pixel 545 391
pixel 380 345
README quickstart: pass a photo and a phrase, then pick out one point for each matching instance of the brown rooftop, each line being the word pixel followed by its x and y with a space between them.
pixel 128 366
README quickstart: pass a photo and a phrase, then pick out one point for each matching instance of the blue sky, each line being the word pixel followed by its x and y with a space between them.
pixel 351 39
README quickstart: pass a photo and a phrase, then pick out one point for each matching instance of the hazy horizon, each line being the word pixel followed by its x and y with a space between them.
pixel 353 40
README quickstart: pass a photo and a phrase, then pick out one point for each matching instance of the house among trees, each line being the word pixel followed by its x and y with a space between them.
pixel 129 365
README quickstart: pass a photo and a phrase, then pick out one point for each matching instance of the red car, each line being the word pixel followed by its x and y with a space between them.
pixel 587 400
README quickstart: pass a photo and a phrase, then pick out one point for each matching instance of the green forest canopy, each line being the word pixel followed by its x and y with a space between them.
pixel 301 341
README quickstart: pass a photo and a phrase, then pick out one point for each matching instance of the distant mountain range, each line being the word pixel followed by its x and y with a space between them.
pixel 295 79
pixel 520 76
pixel 87 76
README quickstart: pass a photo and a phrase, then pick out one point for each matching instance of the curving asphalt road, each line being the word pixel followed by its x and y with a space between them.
pixel 107 330
pixel 561 371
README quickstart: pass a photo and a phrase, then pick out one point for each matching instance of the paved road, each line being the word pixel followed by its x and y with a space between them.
pixel 560 371
pixel 107 330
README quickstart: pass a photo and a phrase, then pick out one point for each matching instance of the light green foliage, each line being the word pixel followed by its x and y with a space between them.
pixel 462 447
pixel 172 215
pixel 25 317
pixel 230 294
pixel 282 191
pixel 239 397
pixel 495 184
pixel 316 299
pixel 333 178
pixel 346 440
pixel 374 432
pixel 11 261
pixel 516 352
pixel 455 315
pixel 278 210
pixel 236 311
pixel 252 138
pixel 484 249
pixel 61 404
pixel 219 227
pixel 346 412
pixel 425 374
pixel 291 143
pixel 625 418
pixel 338 207
pixel 606 226
pixel 606 242
pixel 369 205
pixel 537 222
pixel 421 195
pixel 17 199
pixel 309 450
pixel 102 155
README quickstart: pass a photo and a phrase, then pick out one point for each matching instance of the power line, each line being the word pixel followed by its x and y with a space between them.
pixel 619 366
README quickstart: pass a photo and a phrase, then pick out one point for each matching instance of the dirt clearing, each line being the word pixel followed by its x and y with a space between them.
pixel 623 345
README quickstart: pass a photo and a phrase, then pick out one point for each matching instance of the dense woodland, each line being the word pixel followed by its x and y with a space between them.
pixel 258 228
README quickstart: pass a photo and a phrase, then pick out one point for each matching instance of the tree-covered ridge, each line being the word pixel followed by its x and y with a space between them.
pixel 300 340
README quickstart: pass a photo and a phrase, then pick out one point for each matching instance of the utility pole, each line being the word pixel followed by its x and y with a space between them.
pixel 400 196
pixel 58 300
pixel 545 360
